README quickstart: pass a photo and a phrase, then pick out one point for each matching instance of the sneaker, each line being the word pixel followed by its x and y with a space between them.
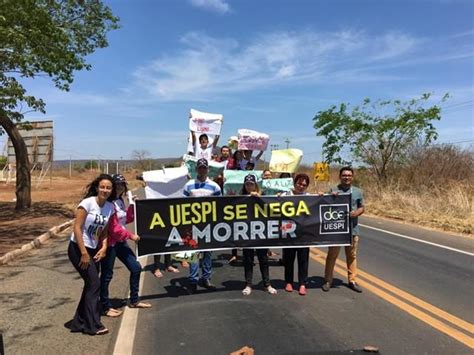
pixel 302 290
pixel 247 290
pixel 289 287
pixel 207 284
pixel 355 287
pixel 191 289
pixel 326 287
pixel 271 290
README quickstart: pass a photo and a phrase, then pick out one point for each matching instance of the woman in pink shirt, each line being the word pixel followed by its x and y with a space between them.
pixel 118 247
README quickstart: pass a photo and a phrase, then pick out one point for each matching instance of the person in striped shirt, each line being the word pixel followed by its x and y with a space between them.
pixel 201 186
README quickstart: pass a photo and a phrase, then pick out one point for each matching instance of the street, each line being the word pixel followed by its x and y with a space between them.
pixel 417 299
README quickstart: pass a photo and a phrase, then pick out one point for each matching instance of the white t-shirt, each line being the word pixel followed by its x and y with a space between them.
pixel 204 153
pixel 96 220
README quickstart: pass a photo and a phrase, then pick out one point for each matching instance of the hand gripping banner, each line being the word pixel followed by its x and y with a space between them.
pixel 215 223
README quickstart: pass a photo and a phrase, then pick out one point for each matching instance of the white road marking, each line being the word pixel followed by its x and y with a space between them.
pixel 128 325
pixel 418 240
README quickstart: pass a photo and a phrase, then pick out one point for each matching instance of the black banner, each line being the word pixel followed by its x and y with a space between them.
pixel 213 223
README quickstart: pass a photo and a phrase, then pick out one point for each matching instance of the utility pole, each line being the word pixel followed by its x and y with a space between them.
pixel 287 141
pixel 70 166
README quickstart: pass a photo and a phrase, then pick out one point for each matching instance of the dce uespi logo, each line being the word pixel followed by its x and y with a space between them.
pixel 334 219
pixel 333 215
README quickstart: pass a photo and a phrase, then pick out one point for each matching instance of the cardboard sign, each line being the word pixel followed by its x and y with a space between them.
pixel 203 122
pixel 252 140
pixel 286 160
pixel 321 171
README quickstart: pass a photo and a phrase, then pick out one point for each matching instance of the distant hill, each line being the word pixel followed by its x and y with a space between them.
pixel 129 162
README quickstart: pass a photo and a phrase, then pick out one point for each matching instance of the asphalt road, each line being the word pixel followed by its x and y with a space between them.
pixel 417 299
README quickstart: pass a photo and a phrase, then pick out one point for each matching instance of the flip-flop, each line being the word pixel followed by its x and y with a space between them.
pixel 102 331
pixel 140 305
pixel 113 313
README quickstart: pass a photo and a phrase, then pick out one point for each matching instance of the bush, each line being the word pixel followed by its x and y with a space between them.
pixel 3 161
pixel 92 164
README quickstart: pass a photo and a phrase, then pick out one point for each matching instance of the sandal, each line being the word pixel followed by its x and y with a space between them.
pixel 111 312
pixel 102 331
pixel 172 269
pixel 139 305
pixel 158 274
pixel 247 290
pixel 232 259
pixel 271 290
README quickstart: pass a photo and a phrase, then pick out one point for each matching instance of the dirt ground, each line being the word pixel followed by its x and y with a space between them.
pixel 54 203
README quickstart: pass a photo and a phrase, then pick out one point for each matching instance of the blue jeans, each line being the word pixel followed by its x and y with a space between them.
pixel 128 258
pixel 206 265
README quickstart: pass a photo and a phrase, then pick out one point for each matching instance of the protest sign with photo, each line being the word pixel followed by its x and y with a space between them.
pixel 285 160
pixel 203 122
pixel 252 140
pixel 215 223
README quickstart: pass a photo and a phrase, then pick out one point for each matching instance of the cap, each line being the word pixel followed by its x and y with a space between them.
pixel 119 178
pixel 250 178
pixel 202 163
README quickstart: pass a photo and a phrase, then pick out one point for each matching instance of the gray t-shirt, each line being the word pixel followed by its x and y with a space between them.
pixel 357 201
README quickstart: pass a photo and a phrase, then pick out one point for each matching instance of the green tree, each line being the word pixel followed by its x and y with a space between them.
pixel 91 165
pixel 3 161
pixel 43 38
pixel 377 134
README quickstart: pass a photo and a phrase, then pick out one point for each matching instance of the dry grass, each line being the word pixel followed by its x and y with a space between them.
pixel 449 208
pixel 433 189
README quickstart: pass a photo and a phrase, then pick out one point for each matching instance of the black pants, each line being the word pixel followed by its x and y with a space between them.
pixel 157 259
pixel 289 255
pixel 87 317
pixel 248 255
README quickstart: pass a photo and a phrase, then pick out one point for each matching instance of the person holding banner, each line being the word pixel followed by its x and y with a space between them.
pixel 301 183
pixel 251 188
pixel 201 186
pixel 266 174
pixel 203 149
pixel 87 246
pixel 346 175
pixel 118 248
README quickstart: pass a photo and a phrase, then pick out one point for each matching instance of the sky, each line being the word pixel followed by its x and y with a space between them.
pixel 266 65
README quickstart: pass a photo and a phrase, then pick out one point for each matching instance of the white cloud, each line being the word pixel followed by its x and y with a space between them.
pixel 218 6
pixel 207 66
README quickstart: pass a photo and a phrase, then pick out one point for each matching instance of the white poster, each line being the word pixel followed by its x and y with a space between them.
pixel 252 140
pixel 168 182
pixel 203 122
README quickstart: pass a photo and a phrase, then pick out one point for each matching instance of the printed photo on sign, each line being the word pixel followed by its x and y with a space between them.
pixel 334 219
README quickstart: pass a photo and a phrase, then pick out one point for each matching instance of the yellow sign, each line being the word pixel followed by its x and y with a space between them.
pixel 285 160
pixel 321 172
